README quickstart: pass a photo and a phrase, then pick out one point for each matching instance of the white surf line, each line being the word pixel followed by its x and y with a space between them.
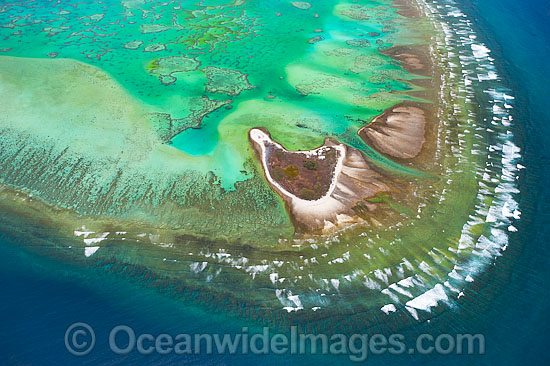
pixel 504 207
pixel 89 251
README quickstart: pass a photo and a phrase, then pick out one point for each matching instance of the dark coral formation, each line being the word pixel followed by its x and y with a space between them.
pixel 315 39
pixel 301 5
pixel 167 127
pixel 356 12
pixel 359 42
pixel 167 67
pixel 226 81
pixel 133 45
pixel 155 47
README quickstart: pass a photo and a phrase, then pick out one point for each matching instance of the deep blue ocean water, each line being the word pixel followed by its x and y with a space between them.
pixel 519 33
pixel 40 297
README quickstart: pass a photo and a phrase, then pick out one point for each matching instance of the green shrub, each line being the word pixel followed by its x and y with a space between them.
pixel 310 165
pixel 307 194
pixel 278 173
pixel 291 171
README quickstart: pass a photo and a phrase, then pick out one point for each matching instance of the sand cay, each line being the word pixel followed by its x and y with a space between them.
pixel 399 132
pixel 353 180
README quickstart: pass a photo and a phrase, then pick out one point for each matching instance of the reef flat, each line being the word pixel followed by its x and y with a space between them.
pixel 336 165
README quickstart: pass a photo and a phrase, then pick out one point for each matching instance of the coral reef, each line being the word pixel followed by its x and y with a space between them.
pixel 230 82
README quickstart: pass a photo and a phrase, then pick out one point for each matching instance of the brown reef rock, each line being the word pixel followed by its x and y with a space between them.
pixel 398 132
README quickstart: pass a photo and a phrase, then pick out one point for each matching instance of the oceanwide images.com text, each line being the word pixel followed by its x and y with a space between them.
pixel 80 340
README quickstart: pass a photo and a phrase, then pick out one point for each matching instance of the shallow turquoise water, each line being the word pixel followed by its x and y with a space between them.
pixel 199 141
pixel 248 43
pixel 515 326
pixel 256 50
